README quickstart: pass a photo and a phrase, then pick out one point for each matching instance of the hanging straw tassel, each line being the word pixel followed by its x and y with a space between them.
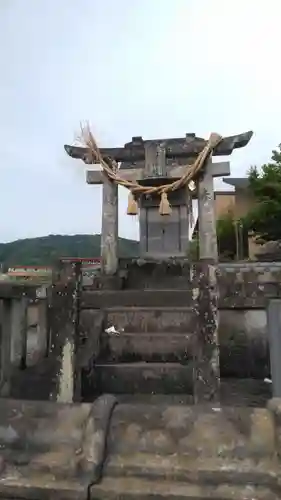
pixel 165 207
pixel 133 208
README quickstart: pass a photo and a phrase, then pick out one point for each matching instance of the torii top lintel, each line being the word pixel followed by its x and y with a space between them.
pixel 188 146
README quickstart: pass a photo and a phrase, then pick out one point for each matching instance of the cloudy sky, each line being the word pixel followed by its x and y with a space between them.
pixel 131 67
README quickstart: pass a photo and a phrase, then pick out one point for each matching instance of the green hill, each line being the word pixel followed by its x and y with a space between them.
pixel 47 249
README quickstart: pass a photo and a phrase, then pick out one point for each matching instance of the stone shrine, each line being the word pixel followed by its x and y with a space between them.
pixel 156 162
pixel 162 237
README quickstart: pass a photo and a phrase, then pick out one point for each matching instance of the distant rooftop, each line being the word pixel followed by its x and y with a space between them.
pixel 237 182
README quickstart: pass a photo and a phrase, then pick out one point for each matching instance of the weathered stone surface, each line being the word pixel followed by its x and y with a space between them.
pixel 106 299
pixel 49 445
pixel 190 452
pixel 141 489
pixel 63 340
pixel 156 274
pixel 91 328
pixel 206 361
pixel 19 331
pixel 152 319
pixel 10 290
pixel 182 452
pixel 135 172
pixel 233 392
pixel 274 325
pixel 198 431
pixel 149 347
pixel 242 326
pixel 244 343
pixel 5 347
pixel 177 147
pixel 2 464
pixel 142 378
pixel 208 246
pixel 242 333
pixel 274 406
pixel 109 235
pixel 107 282
pixel 241 285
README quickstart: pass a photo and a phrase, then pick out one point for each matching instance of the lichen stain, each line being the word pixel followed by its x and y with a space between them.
pixel 66 382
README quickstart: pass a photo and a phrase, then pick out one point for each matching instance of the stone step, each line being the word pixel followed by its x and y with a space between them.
pixel 152 274
pixel 152 319
pixel 143 378
pixel 190 469
pixel 99 299
pixel 155 399
pixel 233 392
pixel 140 489
pixel 232 296
pixel 143 346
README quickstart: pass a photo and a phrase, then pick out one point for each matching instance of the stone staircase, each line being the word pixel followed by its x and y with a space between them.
pixel 151 352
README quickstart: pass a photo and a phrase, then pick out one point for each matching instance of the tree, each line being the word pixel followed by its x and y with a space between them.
pixel 231 236
pixel 264 220
pixel 226 236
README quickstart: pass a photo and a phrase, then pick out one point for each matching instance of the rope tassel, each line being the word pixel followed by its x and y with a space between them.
pixel 133 208
pixel 165 207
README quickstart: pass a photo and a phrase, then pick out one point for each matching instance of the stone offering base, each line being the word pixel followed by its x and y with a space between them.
pixel 139 451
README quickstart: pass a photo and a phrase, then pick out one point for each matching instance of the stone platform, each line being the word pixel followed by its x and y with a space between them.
pixel 139 451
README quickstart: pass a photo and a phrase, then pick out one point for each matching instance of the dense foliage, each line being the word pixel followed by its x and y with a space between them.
pixel 232 237
pixel 47 249
pixel 264 220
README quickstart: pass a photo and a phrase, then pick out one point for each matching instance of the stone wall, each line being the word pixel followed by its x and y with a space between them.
pixel 244 292
pixel 44 374
pixel 248 285
pixel 245 289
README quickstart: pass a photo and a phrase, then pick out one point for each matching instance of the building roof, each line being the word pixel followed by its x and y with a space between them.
pixel 237 182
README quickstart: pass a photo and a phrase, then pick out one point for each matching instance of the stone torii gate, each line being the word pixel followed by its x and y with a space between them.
pixel 156 162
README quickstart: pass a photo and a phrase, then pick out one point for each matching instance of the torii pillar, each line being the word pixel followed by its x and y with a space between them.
pixel 109 229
